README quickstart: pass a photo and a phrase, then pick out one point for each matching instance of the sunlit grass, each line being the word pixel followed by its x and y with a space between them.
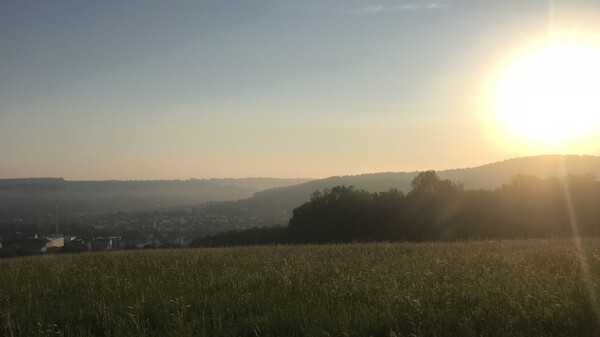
pixel 521 287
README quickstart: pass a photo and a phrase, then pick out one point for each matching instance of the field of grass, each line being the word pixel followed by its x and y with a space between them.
pixel 480 288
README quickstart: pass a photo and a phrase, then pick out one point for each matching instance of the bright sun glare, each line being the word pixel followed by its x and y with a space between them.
pixel 551 94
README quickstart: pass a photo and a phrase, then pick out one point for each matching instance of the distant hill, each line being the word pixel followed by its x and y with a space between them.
pixel 32 195
pixel 243 203
pixel 493 175
pixel 275 206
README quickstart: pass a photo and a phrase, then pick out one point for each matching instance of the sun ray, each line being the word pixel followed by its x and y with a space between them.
pixel 584 268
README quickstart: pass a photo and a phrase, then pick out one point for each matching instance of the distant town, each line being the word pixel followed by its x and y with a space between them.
pixel 163 228
pixel 48 215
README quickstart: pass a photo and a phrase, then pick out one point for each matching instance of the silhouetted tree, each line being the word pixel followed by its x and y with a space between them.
pixel 436 209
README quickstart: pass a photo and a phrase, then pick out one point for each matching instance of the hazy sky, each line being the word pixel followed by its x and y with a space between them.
pixel 308 88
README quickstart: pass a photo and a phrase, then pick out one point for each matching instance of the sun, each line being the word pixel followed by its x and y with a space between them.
pixel 550 95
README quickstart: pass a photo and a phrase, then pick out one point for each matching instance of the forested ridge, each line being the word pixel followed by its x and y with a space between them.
pixel 275 206
pixel 436 209
pixel 30 197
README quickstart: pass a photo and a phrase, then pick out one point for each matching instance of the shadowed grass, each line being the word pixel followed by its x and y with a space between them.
pixel 480 288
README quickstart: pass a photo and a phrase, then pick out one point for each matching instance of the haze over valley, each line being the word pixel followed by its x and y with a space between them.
pixel 177 211
pixel 299 168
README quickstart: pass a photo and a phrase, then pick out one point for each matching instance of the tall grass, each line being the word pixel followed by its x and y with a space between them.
pixel 500 288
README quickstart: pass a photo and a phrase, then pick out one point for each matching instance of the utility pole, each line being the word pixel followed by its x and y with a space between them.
pixel 57 221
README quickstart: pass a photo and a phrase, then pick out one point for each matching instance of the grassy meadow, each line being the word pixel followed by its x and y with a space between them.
pixel 479 288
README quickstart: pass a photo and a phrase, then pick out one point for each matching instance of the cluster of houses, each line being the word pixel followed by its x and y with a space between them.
pixel 35 245
pixel 172 227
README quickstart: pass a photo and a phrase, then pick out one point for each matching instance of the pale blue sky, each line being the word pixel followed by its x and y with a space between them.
pixel 313 88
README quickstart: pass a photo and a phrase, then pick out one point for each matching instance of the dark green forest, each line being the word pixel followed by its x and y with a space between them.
pixel 436 209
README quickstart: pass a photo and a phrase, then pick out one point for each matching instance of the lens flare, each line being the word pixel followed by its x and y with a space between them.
pixel 583 264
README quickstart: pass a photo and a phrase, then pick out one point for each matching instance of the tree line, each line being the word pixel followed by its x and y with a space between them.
pixel 436 210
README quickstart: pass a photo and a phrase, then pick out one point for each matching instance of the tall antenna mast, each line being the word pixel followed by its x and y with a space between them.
pixel 56 221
